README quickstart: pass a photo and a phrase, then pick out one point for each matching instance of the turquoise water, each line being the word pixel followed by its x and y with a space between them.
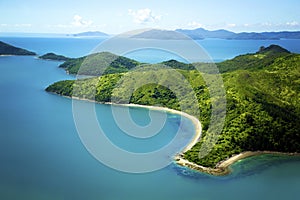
pixel 42 156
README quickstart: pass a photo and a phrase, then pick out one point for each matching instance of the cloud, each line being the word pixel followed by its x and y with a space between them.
pixel 17 25
pixel 143 16
pixel 293 23
pixel 195 24
pixel 231 25
pixel 79 22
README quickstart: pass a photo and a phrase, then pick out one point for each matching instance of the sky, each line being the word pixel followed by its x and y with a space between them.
pixel 113 17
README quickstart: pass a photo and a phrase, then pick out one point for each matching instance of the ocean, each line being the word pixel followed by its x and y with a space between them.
pixel 42 156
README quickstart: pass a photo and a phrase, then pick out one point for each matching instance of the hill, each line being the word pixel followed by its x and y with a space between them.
pixel 6 49
pixel 53 56
pixel 264 57
pixel 263 111
pixel 262 92
pixel 99 63
pixel 94 64
pixel 90 34
pixel 160 35
pixel 201 33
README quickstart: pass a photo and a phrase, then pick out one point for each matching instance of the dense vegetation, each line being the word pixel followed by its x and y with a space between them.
pixel 98 64
pixel 6 49
pixel 264 57
pixel 262 91
pixel 107 63
pixel 263 111
pixel 53 56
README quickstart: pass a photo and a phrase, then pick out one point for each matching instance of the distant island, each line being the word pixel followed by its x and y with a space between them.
pixel 90 34
pixel 160 35
pixel 201 33
pixel 53 56
pixel 7 49
pixel 262 91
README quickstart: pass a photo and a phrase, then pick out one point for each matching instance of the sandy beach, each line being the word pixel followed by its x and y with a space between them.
pixel 223 168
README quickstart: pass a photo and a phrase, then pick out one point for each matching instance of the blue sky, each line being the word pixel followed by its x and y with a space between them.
pixel 110 16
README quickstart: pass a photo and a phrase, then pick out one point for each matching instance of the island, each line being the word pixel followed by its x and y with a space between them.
pixel 7 49
pixel 262 93
pixel 90 34
pixel 161 35
pixel 53 56
pixel 201 33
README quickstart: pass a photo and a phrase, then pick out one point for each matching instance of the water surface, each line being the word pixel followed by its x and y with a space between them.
pixel 42 156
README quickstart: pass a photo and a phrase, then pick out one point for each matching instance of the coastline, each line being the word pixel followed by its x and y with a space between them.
pixel 47 59
pixel 8 55
pixel 221 169
pixel 194 120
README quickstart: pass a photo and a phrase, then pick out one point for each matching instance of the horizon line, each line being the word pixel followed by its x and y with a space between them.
pixel 110 34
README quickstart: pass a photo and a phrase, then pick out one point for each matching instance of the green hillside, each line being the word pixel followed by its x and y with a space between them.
pixel 98 64
pixel 53 56
pixel 263 111
pixel 106 63
pixel 6 49
pixel 264 57
pixel 263 108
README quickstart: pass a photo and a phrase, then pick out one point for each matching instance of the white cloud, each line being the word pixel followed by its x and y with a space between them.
pixel 268 24
pixel 195 24
pixel 293 23
pixel 16 25
pixel 231 25
pixel 281 26
pixel 79 22
pixel 143 16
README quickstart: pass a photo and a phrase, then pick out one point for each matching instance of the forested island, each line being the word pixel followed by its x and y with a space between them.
pixel 53 56
pixel 262 93
pixel 7 49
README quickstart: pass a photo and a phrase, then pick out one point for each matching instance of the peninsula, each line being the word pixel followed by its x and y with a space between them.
pixel 7 49
pixel 262 92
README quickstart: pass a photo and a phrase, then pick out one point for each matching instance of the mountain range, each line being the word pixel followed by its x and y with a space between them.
pixel 201 33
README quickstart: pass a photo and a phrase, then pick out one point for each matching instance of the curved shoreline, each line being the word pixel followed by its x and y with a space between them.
pixel 195 121
pixel 221 169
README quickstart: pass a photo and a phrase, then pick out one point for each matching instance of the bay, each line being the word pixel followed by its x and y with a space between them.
pixel 42 156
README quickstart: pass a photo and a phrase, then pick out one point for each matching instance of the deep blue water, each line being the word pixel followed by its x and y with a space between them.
pixel 42 156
